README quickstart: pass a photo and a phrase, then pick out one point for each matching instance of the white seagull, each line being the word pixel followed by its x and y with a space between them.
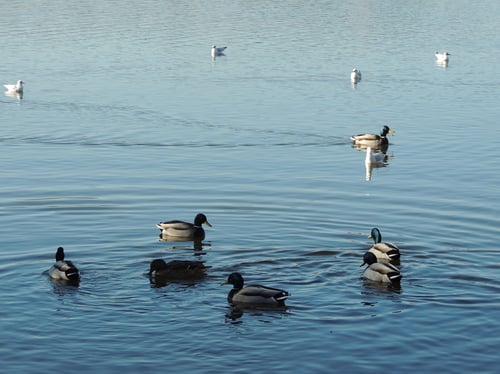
pixel 355 75
pixel 18 87
pixel 442 57
pixel 217 51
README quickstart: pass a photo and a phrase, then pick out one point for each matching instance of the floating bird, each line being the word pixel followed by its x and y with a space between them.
pixel 63 270
pixel 217 51
pixel 355 75
pixel 255 294
pixel 384 251
pixel 380 271
pixel 177 269
pixel 442 57
pixel 373 140
pixel 185 230
pixel 17 88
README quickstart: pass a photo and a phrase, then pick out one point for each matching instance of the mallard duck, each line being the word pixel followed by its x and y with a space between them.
pixel 185 230
pixel 64 270
pixel 177 269
pixel 355 75
pixel 18 87
pixel 383 250
pixel 217 51
pixel 373 140
pixel 442 57
pixel 380 271
pixel 254 294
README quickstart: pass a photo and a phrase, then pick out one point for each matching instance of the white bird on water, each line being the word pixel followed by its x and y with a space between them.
pixel 217 51
pixel 18 87
pixel 442 57
pixel 355 75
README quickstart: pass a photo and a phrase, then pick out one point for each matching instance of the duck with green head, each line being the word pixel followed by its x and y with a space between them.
pixel 64 269
pixel 373 140
pixel 384 251
pixel 185 230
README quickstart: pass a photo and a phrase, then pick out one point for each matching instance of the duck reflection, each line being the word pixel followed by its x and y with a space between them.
pixel 198 244
pixel 62 287
pixel 265 314
pixel 14 94
pixel 374 159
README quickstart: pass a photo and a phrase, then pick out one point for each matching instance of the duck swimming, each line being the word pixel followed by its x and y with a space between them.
pixel 185 230
pixel 373 140
pixel 380 271
pixel 63 270
pixel 254 294
pixel 17 88
pixel 177 269
pixel 383 250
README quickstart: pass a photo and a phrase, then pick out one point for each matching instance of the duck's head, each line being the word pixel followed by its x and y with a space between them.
pixel 375 235
pixel 235 279
pixel 368 259
pixel 386 130
pixel 201 219
pixel 60 254
pixel 158 264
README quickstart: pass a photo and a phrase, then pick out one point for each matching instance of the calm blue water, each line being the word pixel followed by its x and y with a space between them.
pixel 127 121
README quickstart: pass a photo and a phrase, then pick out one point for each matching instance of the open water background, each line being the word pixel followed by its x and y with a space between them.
pixel 126 121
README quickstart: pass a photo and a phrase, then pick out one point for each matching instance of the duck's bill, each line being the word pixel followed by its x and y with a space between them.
pixel 207 223
pixel 391 131
pixel 225 282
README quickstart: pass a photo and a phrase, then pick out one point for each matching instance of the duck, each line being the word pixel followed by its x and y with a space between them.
pixel 15 88
pixel 185 230
pixel 373 140
pixel 383 250
pixel 442 57
pixel 380 271
pixel 254 295
pixel 217 51
pixel 64 269
pixel 177 269
pixel 355 75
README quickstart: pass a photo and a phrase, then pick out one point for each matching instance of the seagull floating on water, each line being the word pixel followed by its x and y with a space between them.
pixel 442 57
pixel 355 75
pixel 217 51
pixel 18 87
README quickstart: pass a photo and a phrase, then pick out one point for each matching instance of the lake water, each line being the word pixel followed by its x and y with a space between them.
pixel 126 121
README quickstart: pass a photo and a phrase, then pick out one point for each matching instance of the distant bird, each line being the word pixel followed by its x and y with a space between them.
pixel 177 269
pixel 18 87
pixel 373 140
pixel 374 158
pixel 355 75
pixel 63 270
pixel 384 251
pixel 185 230
pixel 442 57
pixel 217 51
pixel 254 295
pixel 380 271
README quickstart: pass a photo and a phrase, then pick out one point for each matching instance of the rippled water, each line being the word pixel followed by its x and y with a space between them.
pixel 126 121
